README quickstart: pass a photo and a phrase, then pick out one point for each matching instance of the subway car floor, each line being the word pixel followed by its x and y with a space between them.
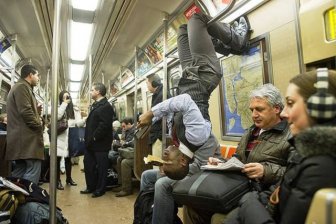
pixel 78 208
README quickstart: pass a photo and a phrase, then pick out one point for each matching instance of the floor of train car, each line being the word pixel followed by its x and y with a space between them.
pixel 77 207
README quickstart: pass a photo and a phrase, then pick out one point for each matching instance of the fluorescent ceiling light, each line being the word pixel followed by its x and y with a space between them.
pixel 76 72
pixel 80 35
pixel 89 5
pixel 74 86
pixel 7 57
pixel 74 95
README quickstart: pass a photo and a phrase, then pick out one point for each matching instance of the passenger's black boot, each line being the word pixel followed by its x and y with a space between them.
pixel 71 182
pixel 59 185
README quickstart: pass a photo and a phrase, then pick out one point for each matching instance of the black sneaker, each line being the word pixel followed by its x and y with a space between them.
pixel 240 41
pixel 220 47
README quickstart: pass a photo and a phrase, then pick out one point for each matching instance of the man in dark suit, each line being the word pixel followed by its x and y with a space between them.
pixel 98 140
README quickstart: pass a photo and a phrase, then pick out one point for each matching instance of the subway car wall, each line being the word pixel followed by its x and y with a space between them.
pixel 126 41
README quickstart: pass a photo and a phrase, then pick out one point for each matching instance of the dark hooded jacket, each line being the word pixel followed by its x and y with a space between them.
pixel 156 128
pixel 312 167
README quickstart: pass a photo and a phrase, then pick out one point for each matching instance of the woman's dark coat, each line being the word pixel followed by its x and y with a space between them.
pixel 311 168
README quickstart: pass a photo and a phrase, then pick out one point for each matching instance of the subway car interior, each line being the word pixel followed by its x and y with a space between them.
pixel 75 44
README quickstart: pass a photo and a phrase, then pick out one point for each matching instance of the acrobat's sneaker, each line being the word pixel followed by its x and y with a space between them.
pixel 235 25
pixel 242 28
pixel 220 47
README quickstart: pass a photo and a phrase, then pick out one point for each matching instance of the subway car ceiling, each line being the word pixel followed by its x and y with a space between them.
pixel 118 27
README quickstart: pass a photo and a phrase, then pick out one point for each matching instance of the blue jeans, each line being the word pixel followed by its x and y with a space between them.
pixel 148 179
pixel 29 169
pixel 163 211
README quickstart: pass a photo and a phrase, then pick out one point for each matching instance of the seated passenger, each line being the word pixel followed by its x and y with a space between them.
pixel 191 127
pixel 3 122
pixel 312 122
pixel 155 87
pixel 125 162
pixel 117 130
pixel 263 148
pixel 113 153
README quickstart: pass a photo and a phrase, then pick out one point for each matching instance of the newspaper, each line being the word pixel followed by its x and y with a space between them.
pixel 231 164
pixel 7 184
pixel 151 158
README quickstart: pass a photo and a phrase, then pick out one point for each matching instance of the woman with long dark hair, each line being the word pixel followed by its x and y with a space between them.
pixel 66 110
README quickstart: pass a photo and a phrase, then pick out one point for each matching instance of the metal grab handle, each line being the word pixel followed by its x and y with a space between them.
pixel 219 15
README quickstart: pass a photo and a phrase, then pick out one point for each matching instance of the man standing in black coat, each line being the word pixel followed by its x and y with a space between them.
pixel 98 140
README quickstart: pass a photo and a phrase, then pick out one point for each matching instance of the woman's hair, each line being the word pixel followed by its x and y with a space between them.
pixel 306 84
pixel 69 110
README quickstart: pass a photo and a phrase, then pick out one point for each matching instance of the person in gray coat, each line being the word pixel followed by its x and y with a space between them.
pixel 24 128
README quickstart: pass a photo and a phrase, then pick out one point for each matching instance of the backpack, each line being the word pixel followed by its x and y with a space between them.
pixel 111 179
pixel 9 200
pixel 36 193
pixel 143 208
pixel 36 213
pixel 5 217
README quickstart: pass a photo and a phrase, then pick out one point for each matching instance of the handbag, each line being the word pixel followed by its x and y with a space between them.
pixel 76 141
pixel 61 125
pixel 126 153
pixel 215 191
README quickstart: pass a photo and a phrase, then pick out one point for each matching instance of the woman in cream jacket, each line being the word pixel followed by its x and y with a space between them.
pixel 72 114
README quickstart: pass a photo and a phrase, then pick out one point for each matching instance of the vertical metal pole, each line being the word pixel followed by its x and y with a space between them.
pixel 109 88
pixel 298 36
pixel 90 79
pixel 13 42
pixel 165 81
pixel 136 85
pixel 54 88
pixel 46 96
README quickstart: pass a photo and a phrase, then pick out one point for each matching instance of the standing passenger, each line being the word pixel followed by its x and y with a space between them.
pixel 72 114
pixel 24 129
pixel 98 140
